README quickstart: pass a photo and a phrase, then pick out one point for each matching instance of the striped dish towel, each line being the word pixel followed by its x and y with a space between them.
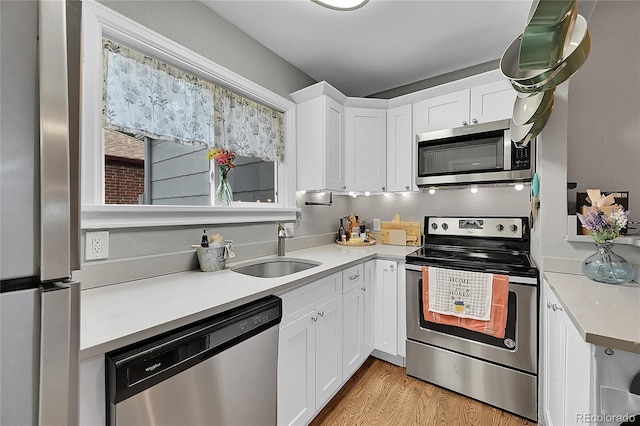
pixel 464 294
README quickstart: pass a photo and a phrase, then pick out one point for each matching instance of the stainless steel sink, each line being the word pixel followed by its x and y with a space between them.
pixel 271 268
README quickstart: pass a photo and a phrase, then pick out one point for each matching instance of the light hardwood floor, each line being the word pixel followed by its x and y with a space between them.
pixel 381 393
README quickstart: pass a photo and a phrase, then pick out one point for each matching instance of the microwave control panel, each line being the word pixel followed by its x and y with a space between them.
pixel 520 157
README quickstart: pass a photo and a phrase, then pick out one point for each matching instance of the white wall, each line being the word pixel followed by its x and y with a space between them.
pixel 604 105
pixel 606 155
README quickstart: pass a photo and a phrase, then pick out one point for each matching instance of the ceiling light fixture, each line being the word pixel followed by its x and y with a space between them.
pixel 342 4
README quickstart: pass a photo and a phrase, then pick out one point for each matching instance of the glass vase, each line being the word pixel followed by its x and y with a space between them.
pixel 224 194
pixel 607 267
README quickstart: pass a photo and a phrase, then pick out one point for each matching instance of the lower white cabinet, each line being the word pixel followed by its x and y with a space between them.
pixel 357 343
pixel 386 306
pixel 566 366
pixel 310 350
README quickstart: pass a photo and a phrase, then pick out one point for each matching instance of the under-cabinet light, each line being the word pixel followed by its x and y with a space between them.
pixel 474 189
pixel 432 191
pixel 519 187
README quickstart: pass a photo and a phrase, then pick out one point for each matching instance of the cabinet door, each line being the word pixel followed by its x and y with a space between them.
pixel 366 149
pixel 328 350
pixel 296 371
pixel 386 307
pixel 400 143
pixel 402 310
pixel 492 101
pixel 353 331
pixel 577 373
pixel 369 312
pixel 442 112
pixel 553 359
pixel 334 160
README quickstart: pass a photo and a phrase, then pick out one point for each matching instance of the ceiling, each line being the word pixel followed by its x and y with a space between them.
pixel 383 45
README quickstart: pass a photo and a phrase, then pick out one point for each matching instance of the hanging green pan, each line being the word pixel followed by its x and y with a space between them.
pixel 535 81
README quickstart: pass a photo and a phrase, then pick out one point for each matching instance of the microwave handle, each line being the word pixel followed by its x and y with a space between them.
pixel 507 149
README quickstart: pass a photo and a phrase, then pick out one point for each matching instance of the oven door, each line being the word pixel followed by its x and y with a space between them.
pixel 518 349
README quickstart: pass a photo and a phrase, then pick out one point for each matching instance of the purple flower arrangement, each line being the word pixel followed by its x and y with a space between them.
pixel 604 227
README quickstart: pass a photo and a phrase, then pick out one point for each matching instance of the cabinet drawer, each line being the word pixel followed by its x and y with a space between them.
pixel 352 277
pixel 301 300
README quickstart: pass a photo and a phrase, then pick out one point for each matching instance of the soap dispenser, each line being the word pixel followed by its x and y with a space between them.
pixel 205 239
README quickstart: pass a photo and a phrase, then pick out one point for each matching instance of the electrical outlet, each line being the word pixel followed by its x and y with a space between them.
pixel 376 224
pixel 288 230
pixel 96 245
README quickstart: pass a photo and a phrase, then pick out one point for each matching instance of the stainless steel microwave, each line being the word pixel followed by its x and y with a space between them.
pixel 482 153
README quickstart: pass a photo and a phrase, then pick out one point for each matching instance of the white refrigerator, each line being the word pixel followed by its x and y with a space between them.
pixel 39 213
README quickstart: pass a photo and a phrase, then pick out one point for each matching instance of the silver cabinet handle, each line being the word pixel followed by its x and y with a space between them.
pixel 363 288
pixel 474 121
pixel 384 188
pixel 314 318
pixel 407 187
pixel 392 267
pixel 321 314
pixel 553 306
pixel 354 277
pixel 464 123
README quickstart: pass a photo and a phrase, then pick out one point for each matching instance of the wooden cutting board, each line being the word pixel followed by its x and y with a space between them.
pixel 397 237
pixel 413 232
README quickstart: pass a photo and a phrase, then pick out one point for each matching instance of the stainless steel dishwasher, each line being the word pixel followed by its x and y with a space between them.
pixel 219 371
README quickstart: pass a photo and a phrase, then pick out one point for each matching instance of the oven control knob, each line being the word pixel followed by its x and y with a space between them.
pixel 434 226
pixel 513 228
pixel 445 226
pixel 499 227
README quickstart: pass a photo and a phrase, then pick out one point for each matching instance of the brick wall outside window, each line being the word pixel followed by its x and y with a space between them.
pixel 123 181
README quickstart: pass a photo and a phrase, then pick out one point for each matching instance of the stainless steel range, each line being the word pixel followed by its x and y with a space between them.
pixel 501 371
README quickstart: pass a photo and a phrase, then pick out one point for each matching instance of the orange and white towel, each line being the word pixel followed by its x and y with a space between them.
pixel 464 302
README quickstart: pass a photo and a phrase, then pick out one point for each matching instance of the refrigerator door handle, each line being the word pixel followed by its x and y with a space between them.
pixel 59 354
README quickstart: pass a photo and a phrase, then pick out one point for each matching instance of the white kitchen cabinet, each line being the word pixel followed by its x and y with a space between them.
pixel 369 311
pixel 310 349
pixel 480 104
pixel 566 365
pixel 357 343
pixel 400 144
pixel 320 150
pixel 366 149
pixel 386 306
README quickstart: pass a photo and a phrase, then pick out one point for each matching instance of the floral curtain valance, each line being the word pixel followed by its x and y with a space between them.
pixel 144 96
pixel 247 127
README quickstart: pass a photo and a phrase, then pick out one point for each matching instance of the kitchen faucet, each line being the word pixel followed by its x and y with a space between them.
pixel 281 236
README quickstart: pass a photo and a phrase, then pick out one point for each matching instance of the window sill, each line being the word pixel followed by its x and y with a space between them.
pixel 123 216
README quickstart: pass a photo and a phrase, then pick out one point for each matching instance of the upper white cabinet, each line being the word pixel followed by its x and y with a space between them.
pixel 366 149
pixel 400 143
pixel 480 104
pixel 320 150
pixel 442 112
pixel 492 101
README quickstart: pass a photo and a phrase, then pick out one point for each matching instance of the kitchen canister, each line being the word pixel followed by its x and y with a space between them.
pixel 211 258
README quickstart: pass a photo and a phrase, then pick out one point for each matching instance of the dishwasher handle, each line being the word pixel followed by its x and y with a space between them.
pixel 135 368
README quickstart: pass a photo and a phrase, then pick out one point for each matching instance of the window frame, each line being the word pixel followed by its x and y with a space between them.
pixel 99 21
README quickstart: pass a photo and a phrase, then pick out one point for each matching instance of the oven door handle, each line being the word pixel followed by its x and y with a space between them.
pixel 512 279
pixel 410 267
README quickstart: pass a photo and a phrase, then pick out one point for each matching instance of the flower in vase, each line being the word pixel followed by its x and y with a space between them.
pixel 224 158
pixel 604 227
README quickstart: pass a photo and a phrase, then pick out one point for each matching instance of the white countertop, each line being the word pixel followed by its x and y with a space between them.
pixel 605 314
pixel 117 315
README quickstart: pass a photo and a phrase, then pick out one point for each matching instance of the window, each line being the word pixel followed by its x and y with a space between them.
pixel 264 188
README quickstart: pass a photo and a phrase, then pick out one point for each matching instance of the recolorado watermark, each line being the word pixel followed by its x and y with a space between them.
pixel 604 418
